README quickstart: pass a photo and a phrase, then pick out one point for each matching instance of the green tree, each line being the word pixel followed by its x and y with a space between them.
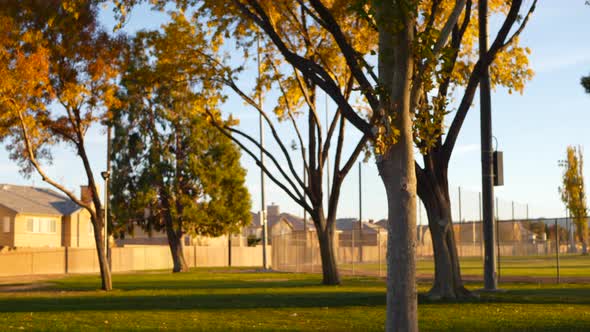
pixel 173 171
pixel 585 81
pixel 59 72
pixel 573 193
pixel 406 59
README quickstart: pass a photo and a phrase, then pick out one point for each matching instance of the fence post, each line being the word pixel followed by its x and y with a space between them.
pixel 557 249
pixel 498 237
pixel 66 259
pixel 297 244
pixel 379 249
pixel 352 251
pixel 195 256
pixel 480 228
pixel 460 225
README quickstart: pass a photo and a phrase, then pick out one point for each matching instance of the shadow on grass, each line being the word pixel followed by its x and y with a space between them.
pixel 197 281
pixel 120 302
pixel 523 296
pixel 150 285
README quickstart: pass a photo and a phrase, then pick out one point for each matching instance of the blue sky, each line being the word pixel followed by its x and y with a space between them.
pixel 533 129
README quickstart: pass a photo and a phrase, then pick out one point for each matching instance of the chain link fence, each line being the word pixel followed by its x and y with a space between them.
pixel 521 241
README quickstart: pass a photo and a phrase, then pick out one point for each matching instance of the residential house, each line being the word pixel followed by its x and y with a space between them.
pixel 38 217
pixel 280 224
pixel 368 234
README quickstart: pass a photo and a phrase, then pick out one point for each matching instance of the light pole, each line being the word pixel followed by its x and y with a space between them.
pixel 262 196
pixel 490 273
pixel 106 177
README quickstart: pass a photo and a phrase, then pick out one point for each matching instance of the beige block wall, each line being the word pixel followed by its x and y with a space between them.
pixel 6 239
pixel 22 238
pixel 29 261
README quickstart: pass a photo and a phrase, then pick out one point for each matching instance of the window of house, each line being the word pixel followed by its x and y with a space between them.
pixel 6 225
pixel 90 228
pixel 41 225
pixel 30 225
pixel 44 225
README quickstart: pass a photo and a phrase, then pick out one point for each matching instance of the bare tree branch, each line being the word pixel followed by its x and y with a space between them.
pixel 310 69
pixel 298 198
pixel 44 176
pixel 497 46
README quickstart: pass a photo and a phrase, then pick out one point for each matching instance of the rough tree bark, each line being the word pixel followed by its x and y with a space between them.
pixel 330 275
pixel 97 219
pixel 176 247
pixel 396 24
pixel 174 234
pixel 433 190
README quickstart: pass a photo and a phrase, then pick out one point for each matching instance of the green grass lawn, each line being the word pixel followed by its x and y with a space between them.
pixel 217 300
pixel 574 265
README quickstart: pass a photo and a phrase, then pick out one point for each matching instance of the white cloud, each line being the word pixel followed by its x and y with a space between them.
pixel 465 149
pixel 561 61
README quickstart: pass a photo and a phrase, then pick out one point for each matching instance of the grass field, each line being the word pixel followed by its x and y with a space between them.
pixel 243 300
pixel 529 266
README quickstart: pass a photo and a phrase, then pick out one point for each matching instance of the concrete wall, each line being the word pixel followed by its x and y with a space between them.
pixel 132 258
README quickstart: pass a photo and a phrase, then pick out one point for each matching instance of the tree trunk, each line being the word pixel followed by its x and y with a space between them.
pixel 585 238
pixel 175 243
pixel 105 271
pixel 448 283
pixel 396 24
pixel 176 249
pixel 330 275
pixel 402 311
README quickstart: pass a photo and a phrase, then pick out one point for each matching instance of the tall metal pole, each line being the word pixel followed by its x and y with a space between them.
pixel 328 156
pixel 360 212
pixel 498 253
pixel 557 249
pixel 106 176
pixel 304 196
pixel 360 195
pixel 490 277
pixel 262 196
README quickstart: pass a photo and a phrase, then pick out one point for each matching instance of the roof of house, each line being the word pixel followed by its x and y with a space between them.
pixel 347 224
pixel 25 199
pixel 296 222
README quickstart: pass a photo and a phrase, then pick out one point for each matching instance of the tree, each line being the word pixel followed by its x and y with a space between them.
pixel 573 193
pixel 405 60
pixel 298 93
pixel 585 81
pixel 173 171
pixel 61 71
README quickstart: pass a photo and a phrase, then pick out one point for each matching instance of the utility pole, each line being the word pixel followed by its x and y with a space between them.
pixel 490 276
pixel 262 196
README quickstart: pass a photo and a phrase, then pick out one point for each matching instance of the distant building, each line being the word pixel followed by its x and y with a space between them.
pixel 278 224
pixel 40 217
pixel 350 234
